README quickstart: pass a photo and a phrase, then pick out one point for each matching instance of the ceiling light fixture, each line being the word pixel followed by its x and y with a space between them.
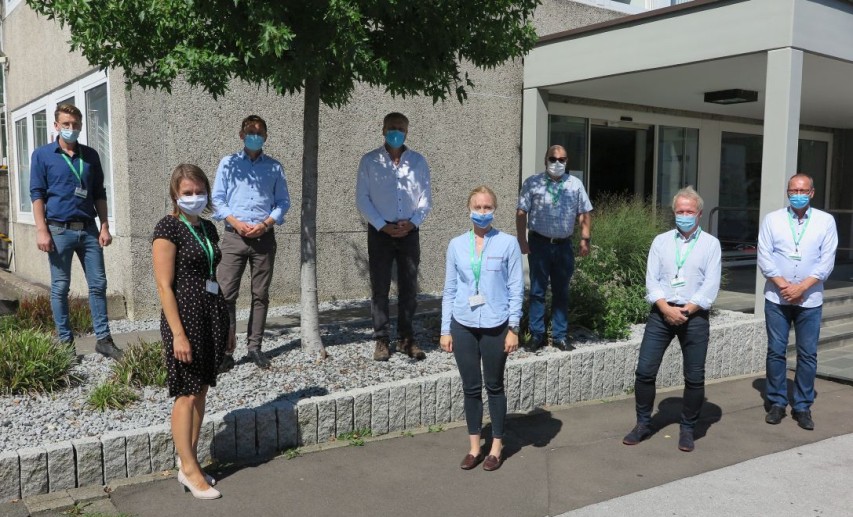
pixel 731 96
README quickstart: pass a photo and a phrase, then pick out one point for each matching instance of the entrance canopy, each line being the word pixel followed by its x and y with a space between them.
pixel 796 55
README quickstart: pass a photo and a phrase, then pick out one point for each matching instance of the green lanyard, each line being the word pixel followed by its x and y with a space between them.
pixel 805 227
pixel 476 262
pixel 205 245
pixel 79 175
pixel 679 260
pixel 555 192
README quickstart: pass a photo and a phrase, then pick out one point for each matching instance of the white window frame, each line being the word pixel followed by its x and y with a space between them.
pixel 47 103
pixel 11 4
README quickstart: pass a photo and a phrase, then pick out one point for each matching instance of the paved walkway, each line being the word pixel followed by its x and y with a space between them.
pixel 568 459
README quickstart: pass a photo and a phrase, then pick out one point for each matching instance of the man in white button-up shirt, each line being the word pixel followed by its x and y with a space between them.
pixel 393 195
pixel 682 281
pixel 796 254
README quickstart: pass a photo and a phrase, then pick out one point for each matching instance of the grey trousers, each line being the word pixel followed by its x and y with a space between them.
pixel 259 254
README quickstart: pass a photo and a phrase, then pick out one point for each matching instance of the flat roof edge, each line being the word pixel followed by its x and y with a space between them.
pixel 632 19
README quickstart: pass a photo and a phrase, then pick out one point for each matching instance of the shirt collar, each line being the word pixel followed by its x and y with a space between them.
pixel 245 156
pixel 794 214
pixel 57 149
pixel 680 236
pixel 561 179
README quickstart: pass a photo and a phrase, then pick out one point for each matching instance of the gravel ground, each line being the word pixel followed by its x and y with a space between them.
pixel 30 420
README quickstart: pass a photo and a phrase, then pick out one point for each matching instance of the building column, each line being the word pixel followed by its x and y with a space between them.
pixel 783 88
pixel 534 131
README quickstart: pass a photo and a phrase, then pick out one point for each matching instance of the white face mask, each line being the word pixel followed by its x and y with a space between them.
pixel 556 169
pixel 193 205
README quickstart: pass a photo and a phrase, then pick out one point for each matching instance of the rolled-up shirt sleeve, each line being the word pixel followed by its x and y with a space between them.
pixel 828 247
pixel 362 196
pixel 515 285
pixel 425 200
pixel 653 271
pixel 766 264
pixel 221 210
pixel 38 178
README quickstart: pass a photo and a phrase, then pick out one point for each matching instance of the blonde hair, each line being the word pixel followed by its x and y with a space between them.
pixel 188 171
pixel 688 192
pixel 482 189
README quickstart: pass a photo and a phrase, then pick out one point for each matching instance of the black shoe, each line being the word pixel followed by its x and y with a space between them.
pixel 107 348
pixel 562 344
pixel 639 433
pixel 227 364
pixel 804 419
pixel 536 343
pixel 685 440
pixel 775 415
pixel 258 357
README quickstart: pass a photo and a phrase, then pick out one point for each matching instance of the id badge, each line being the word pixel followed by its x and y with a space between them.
pixel 678 282
pixel 795 256
pixel 476 300
pixel 212 287
pixel 81 192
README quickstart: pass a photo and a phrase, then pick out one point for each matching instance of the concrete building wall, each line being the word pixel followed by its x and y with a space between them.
pixel 466 145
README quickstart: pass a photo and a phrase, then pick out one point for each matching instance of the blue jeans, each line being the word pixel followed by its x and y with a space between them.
pixel 693 337
pixel 778 320
pixel 557 262
pixel 84 243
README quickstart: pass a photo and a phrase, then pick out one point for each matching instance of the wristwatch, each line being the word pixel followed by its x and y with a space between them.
pixel 514 329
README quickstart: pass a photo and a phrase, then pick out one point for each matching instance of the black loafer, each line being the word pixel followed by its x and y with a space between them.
pixel 562 344
pixel 775 415
pixel 804 419
pixel 258 357
pixel 226 365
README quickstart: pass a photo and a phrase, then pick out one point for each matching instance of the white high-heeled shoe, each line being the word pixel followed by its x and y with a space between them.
pixel 210 493
pixel 207 477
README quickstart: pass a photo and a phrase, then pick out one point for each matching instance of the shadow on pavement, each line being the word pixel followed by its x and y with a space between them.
pixel 536 430
pixel 669 413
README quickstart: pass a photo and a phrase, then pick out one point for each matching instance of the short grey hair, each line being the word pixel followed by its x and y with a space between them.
pixel 690 193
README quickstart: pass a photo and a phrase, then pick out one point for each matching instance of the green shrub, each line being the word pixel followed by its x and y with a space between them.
pixel 141 365
pixel 608 288
pixel 31 361
pixel 111 394
pixel 35 313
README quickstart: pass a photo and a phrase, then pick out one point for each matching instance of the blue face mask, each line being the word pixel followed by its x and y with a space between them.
pixel 394 138
pixel 253 142
pixel 482 220
pixel 685 223
pixel 69 135
pixel 798 200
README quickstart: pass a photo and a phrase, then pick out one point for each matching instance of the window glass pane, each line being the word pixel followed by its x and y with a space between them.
pixel 22 153
pixel 678 159
pixel 39 129
pixel 570 132
pixel 811 159
pixel 740 190
pixel 97 126
pixel 69 100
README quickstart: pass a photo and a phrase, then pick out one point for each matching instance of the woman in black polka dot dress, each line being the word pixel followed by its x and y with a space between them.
pixel 194 321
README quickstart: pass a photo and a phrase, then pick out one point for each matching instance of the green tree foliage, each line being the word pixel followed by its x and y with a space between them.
pixel 320 48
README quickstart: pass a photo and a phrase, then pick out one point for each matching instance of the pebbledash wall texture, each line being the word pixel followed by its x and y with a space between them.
pixel 151 132
pixel 588 373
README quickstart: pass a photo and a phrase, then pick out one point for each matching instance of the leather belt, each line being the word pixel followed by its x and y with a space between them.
pixel 71 225
pixel 552 240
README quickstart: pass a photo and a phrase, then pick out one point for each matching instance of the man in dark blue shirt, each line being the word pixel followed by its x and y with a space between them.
pixel 67 191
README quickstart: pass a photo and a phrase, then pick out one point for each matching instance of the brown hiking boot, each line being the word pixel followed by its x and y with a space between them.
pixel 411 348
pixel 382 352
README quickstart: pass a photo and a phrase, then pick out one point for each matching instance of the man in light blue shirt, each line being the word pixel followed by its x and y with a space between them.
pixel 796 254
pixel 250 195
pixel 682 281
pixel 548 206
pixel 394 196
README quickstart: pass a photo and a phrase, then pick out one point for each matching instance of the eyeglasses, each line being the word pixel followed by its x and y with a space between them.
pixel 792 192
pixel 553 159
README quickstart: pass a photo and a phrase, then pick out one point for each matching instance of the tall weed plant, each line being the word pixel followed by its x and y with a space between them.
pixel 141 365
pixel 30 361
pixel 35 313
pixel 607 291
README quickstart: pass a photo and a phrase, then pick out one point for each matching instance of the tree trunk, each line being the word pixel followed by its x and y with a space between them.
pixel 310 319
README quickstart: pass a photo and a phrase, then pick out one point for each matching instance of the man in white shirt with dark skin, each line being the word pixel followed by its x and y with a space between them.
pixel 394 197
pixel 682 281
pixel 796 254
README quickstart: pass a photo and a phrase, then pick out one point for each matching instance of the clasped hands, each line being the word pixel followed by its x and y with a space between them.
pixel 399 229
pixel 792 293
pixel 250 231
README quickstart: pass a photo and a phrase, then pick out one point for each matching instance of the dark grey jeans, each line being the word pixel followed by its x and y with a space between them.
pixel 383 251
pixel 259 254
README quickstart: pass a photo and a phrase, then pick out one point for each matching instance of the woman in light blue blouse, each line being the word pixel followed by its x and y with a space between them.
pixel 480 313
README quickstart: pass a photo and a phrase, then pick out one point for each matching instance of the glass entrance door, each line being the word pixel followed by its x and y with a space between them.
pixel 621 159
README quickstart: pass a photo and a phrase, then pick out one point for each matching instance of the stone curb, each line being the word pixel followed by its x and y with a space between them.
pixel 246 434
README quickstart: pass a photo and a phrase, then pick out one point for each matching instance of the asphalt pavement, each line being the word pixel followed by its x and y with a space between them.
pixel 564 460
